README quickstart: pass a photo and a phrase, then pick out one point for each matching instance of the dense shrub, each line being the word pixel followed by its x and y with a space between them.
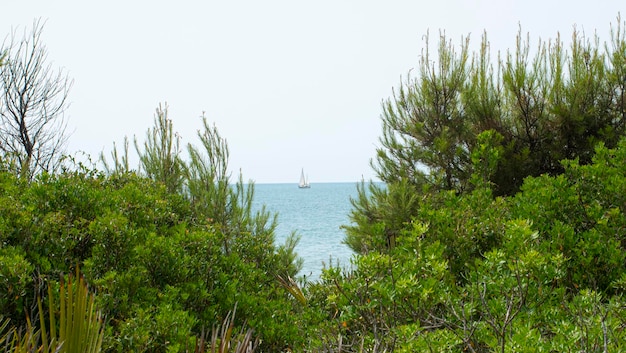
pixel 543 270
pixel 160 273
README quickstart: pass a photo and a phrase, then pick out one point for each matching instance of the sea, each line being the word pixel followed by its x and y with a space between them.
pixel 316 214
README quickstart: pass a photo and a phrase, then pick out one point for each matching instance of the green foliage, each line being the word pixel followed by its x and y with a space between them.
pixel 547 106
pixel 15 280
pixel 208 178
pixel 379 213
pixel 581 214
pixel 73 324
pixel 486 156
pixel 423 125
pixel 500 224
pixel 388 289
pixel 160 271
pixel 161 329
pixel 543 270
pixel 120 160
pixel 159 157
pixel 165 260
pixel 80 323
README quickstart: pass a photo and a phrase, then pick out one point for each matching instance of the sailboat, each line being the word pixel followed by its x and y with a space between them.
pixel 304 183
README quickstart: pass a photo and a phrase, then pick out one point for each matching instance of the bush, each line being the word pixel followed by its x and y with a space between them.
pixel 543 270
pixel 161 273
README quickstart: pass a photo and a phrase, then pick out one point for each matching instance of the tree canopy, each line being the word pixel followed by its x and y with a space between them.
pixel 546 103
pixel 464 119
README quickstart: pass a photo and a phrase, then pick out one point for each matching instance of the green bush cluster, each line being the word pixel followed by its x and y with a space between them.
pixel 500 226
pixel 165 260
pixel 160 275
pixel 542 271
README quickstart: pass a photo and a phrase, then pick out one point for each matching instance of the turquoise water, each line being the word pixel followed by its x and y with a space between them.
pixel 316 214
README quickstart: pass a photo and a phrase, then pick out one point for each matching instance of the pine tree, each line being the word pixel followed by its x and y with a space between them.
pixel 535 106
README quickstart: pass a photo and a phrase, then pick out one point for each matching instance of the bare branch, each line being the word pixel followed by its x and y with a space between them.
pixel 33 101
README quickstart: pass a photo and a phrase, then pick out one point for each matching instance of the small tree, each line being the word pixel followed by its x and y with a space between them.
pixel 213 196
pixel 159 157
pixel 424 127
pixel 33 101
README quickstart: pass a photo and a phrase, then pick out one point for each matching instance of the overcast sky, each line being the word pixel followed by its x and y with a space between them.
pixel 289 84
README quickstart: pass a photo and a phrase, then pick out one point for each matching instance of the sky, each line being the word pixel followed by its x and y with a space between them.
pixel 291 85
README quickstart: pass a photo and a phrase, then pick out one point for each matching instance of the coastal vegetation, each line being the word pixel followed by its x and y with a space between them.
pixel 500 227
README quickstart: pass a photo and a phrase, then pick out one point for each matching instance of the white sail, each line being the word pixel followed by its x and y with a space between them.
pixel 304 183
